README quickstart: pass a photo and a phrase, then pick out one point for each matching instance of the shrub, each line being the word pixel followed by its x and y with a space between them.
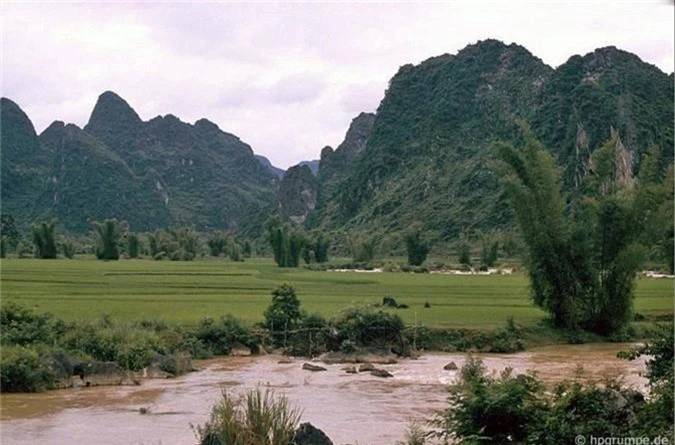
pixel 366 327
pixel 485 409
pixel 283 314
pixel 24 369
pixel 219 336
pixel 20 326
pixel 311 337
pixel 258 418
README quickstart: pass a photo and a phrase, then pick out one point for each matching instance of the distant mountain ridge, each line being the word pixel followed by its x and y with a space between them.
pixel 153 174
pixel 425 158
pixel 428 158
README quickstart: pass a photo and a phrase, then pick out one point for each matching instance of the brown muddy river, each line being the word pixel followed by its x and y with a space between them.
pixel 350 408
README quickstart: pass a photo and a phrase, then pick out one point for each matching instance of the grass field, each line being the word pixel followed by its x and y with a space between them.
pixel 185 292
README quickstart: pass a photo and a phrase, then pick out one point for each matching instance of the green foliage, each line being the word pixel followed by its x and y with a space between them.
pixel 321 247
pixel 219 336
pixel 44 239
pixel 658 417
pixel 492 410
pixel 247 250
pixel 366 327
pixel 107 236
pixel 24 369
pixel 133 245
pixel 258 418
pixel 312 336
pixel 283 314
pixel 464 253
pixel 582 261
pixel 500 409
pixel 67 246
pixel 9 231
pixel 218 243
pixel 20 326
pixel 490 254
pixel 184 244
pixel 416 246
pixel 287 242
pixel 180 244
pixel 363 249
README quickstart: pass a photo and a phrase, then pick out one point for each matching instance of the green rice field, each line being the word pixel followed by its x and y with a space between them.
pixel 185 292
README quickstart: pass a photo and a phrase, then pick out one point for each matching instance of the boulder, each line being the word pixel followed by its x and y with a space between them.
pixel 285 361
pixel 450 367
pixel 366 367
pixel 380 373
pixel 350 369
pixel 240 350
pixel 313 368
pixel 308 434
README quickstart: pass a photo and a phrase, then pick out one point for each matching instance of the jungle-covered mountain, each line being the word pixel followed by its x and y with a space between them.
pixel 427 156
pixel 424 159
pixel 153 174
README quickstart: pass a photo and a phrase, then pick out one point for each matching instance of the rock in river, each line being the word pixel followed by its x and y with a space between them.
pixel 310 367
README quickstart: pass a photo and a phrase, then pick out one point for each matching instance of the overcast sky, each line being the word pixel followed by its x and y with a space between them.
pixel 286 78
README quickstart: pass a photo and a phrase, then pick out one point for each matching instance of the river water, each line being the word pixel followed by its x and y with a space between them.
pixel 349 408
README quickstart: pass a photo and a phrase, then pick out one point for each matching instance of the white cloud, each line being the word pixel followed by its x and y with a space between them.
pixel 285 77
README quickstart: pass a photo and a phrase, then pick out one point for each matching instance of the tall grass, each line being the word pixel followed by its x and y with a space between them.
pixel 258 418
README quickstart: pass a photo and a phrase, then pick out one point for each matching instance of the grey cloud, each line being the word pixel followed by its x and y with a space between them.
pixel 295 88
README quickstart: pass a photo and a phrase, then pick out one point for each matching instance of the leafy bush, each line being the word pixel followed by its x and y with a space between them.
pixel 363 249
pixel 485 409
pixel 283 314
pixel 20 326
pixel 219 336
pixel 24 369
pixel 311 337
pixel 366 327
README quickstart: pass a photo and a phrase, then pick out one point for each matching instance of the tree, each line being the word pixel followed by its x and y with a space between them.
pixel 490 253
pixel 183 245
pixel 44 239
pixel 582 256
pixel 287 242
pixel 321 247
pixel 218 243
pixel 283 314
pixel 9 231
pixel 107 236
pixel 364 249
pixel 464 253
pixel 417 248
pixel 133 245
pixel 67 247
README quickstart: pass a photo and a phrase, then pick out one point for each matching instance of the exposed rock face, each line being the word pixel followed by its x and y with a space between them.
pixel 297 194
pixel 334 162
pixel 308 434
